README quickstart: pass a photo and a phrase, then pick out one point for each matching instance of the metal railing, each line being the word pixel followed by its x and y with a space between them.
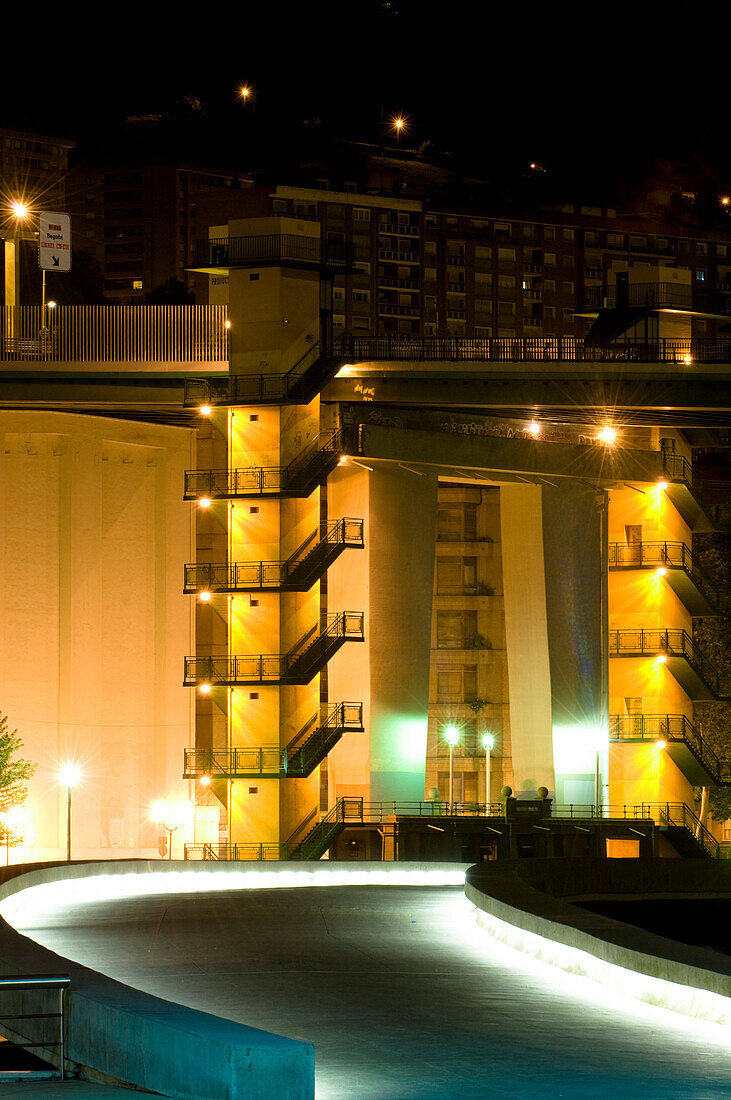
pixel 56 982
pixel 669 727
pixel 307 747
pixel 550 349
pixel 301 661
pixel 114 334
pixel 296 479
pixel 673 555
pixel 671 643
pixel 245 576
pixel 678 815
pixel 656 296
pixel 274 248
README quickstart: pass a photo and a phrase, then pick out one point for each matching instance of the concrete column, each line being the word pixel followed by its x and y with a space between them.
pixel 526 634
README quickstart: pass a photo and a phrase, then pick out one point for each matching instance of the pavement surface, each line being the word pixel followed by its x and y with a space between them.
pixel 402 994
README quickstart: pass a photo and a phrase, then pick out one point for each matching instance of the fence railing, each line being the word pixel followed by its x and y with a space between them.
pixel 114 334
pixel 295 479
pixel 501 349
pixel 55 983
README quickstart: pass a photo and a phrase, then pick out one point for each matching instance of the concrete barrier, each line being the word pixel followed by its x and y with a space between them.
pixel 524 904
pixel 120 1035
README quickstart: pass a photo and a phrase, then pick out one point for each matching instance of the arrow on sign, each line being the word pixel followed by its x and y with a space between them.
pixel 55 260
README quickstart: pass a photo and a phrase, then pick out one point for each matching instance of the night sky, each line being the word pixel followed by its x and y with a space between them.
pixel 595 93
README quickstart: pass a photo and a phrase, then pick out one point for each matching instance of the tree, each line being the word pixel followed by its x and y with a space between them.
pixel 172 293
pixel 13 772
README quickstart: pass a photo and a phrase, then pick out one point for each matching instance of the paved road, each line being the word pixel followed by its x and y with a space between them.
pixel 402 995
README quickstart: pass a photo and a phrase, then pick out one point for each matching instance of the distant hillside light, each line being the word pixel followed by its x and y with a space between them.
pixel 725 200
pixel 245 92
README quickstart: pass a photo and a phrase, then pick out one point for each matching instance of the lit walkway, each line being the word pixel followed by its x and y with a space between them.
pixel 402 995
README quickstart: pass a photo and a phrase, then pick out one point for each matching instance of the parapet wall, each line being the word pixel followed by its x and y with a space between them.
pixel 524 904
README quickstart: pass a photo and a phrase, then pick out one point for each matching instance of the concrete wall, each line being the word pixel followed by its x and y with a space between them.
pixel 93 622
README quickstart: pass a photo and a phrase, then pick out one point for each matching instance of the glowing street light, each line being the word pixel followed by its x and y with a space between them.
pixel 171 815
pixel 488 743
pixel 451 736
pixel 70 775
pixel 20 210
pixel 205 410
pixel 245 92
pixel 534 429
pixel 661 571
pixel 204 502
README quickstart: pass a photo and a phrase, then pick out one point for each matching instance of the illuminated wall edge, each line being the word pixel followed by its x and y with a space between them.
pixel 631 979
pixel 63 885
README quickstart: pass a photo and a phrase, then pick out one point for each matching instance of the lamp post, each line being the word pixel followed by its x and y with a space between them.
pixel 171 816
pixel 488 743
pixel 70 775
pixel 451 736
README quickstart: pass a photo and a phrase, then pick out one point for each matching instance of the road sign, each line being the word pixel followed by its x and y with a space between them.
pixel 54 242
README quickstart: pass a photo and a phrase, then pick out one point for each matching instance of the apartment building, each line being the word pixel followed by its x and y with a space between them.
pixel 519 591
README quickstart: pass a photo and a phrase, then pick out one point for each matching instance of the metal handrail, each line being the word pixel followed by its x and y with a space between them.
pixel 60 982
pixel 656 296
pixel 678 814
pixel 674 643
pixel 261 760
pixel 263 667
pixel 676 555
pixel 224 483
pixel 114 334
pixel 242 576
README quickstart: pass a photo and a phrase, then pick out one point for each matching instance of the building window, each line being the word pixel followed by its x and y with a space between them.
pixel 700 248
pixel 361 214
pixel 701 275
pixel 549 286
pixel 504 254
pixel 456 629
pixel 567 288
pixel 361 295
pixel 457 684
pixel 568 234
pixel 549 233
pixel 503 229
pixel 483 332
pixel 549 259
pixel 457 523
pixel 456 576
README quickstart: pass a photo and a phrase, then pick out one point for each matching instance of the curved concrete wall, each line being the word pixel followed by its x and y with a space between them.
pixel 119 1034
pixel 524 904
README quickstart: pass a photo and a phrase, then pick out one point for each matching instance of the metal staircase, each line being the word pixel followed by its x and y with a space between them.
pixel 321 836
pixel 298 760
pixel 298 666
pixel 297 574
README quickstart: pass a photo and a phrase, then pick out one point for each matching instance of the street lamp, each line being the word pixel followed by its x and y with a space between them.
pixel 70 775
pixel 451 736
pixel 488 742
pixel 171 816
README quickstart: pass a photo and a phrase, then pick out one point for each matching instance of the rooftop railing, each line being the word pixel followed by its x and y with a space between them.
pixel 274 248
pixel 683 296
pixel 118 335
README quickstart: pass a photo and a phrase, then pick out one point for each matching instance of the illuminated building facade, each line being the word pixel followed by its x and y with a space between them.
pixel 390 545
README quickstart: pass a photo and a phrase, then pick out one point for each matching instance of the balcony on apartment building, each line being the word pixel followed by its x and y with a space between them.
pixel 297 574
pixel 274 249
pixel 303 661
pixel 676 651
pixel 683 743
pixel 673 561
